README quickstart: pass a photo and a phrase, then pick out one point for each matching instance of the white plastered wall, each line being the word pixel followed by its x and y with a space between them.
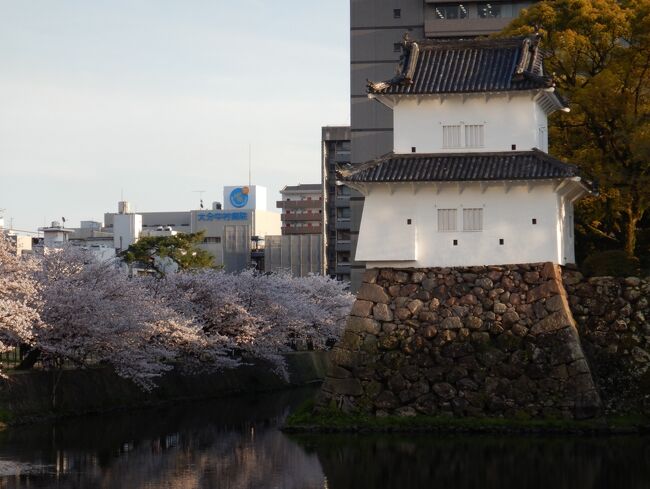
pixel 508 118
pixel 385 238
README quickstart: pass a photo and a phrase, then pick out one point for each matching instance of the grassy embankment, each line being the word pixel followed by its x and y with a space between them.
pixel 304 420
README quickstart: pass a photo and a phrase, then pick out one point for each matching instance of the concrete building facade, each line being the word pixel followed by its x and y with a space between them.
pixel 337 216
pixel 231 231
pixel 299 254
pixel 302 209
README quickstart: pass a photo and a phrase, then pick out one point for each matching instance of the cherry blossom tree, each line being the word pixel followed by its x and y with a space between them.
pixel 72 309
pixel 93 313
pixel 262 314
pixel 18 297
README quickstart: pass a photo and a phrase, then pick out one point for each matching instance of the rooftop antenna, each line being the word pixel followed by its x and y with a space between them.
pixel 200 192
pixel 249 164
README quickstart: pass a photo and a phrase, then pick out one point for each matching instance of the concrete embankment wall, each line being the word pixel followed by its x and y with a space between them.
pixel 480 341
pixel 27 396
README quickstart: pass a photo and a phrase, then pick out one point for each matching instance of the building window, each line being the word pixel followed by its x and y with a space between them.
pixel 212 239
pixel 542 138
pixel 474 136
pixel 489 10
pixel 473 219
pixel 444 12
pixel 397 47
pixel 447 220
pixel 397 13
pixel 451 136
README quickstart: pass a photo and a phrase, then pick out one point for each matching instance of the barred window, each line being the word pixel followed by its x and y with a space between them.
pixel 474 136
pixel 451 136
pixel 447 220
pixel 473 219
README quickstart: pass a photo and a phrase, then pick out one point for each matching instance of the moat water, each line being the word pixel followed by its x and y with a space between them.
pixel 237 444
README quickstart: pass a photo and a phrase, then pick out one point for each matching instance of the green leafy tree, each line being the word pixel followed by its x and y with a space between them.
pixel 599 53
pixel 181 248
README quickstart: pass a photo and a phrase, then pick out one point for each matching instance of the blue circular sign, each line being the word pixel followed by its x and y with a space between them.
pixel 239 197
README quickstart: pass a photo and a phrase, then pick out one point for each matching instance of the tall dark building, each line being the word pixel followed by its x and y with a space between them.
pixel 377 28
pixel 335 147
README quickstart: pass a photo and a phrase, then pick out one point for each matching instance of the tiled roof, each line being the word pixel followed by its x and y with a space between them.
pixel 467 66
pixel 451 167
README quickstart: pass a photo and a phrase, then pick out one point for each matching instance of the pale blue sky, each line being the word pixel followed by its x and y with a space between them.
pixel 159 98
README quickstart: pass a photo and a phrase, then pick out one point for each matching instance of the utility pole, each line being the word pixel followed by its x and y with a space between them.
pixel 249 164
pixel 200 192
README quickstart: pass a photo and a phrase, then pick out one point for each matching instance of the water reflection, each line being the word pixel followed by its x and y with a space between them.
pixel 464 462
pixel 233 444
pixel 236 444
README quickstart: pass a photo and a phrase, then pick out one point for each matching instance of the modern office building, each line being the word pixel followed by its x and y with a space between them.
pixel 377 29
pixel 232 232
pixel 337 238
pixel 302 209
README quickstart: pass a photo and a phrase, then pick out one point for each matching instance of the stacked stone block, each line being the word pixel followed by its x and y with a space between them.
pixel 480 341
pixel 612 317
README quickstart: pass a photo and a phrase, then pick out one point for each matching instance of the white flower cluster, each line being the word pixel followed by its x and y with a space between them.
pixel 75 309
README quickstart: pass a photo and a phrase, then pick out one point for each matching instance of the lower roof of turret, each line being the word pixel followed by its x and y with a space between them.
pixel 452 167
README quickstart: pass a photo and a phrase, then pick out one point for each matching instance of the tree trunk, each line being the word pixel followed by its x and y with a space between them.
pixel 29 360
pixel 633 218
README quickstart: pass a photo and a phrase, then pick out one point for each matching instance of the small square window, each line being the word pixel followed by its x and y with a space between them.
pixel 397 47
pixel 455 242
pixel 397 13
pixel 413 149
pixel 513 147
pixel 408 221
pixel 501 241
pixel 534 221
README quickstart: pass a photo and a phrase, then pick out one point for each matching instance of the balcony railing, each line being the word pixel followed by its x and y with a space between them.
pixel 343 246
pixel 342 223
pixel 307 216
pixel 299 204
pixel 342 201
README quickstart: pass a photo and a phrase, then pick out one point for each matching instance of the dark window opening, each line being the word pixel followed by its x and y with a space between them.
pixel 408 221
pixel 534 221
pixel 455 242
pixel 501 241
pixel 397 13
pixel 413 149
pixel 397 47
pixel 514 147
pixel 489 11
pixel 444 12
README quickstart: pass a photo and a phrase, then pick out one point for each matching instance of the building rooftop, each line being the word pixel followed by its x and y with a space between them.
pixel 303 187
pixel 467 66
pixel 452 167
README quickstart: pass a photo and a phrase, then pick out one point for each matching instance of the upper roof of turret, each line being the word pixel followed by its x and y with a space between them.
pixel 467 66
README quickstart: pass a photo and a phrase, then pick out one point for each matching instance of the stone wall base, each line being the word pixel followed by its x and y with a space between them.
pixel 479 341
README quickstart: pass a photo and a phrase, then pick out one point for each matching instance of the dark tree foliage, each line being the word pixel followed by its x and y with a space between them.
pixel 181 248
